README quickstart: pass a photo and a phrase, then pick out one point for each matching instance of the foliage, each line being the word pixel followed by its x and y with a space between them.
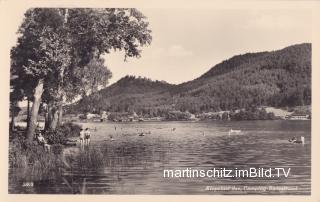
pixel 70 129
pixel 118 116
pixel 177 115
pixel 56 136
pixel 301 110
pixel 14 109
pixel 61 134
pixel 59 53
pixel 92 80
pixel 67 43
pixel 252 114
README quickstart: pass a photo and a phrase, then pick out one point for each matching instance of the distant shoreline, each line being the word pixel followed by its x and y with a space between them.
pixel 41 124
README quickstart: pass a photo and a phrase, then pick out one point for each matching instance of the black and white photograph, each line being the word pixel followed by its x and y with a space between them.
pixel 160 101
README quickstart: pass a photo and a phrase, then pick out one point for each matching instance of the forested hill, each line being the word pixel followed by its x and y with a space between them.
pixel 127 94
pixel 277 78
pixel 133 85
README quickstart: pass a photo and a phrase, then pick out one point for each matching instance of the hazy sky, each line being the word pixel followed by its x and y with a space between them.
pixel 188 42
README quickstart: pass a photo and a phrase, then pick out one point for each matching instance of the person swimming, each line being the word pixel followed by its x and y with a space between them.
pixel 293 139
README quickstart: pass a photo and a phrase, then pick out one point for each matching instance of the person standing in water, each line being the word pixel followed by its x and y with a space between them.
pixel 87 137
pixel 81 137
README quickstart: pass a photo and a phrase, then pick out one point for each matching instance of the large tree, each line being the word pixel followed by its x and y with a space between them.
pixel 60 49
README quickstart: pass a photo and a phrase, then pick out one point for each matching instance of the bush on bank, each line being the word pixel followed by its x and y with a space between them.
pixel 252 114
pixel 61 134
pixel 32 161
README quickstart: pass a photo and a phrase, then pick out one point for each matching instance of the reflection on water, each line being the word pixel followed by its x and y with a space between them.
pixel 134 164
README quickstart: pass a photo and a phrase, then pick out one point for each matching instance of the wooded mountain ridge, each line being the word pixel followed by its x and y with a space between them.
pixel 277 78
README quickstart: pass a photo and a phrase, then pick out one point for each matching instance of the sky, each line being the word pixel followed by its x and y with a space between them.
pixel 188 42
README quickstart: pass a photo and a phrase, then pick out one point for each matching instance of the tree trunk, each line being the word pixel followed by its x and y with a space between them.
pixel 34 110
pixel 60 111
pixel 47 118
pixel 55 113
pixel 28 112
pixel 55 116
pixel 52 117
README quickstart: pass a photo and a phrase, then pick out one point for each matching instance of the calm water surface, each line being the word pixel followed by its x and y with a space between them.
pixel 135 164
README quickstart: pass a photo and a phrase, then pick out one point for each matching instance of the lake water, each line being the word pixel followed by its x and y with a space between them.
pixel 135 163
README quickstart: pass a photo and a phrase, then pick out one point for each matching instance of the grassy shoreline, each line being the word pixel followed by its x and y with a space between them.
pixel 29 161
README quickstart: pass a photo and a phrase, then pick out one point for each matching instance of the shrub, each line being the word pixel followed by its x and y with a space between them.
pixel 177 116
pixel 13 135
pixel 61 134
pixel 57 136
pixel 70 129
pixel 252 114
